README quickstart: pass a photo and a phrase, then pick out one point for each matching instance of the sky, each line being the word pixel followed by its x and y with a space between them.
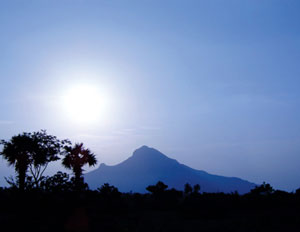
pixel 211 83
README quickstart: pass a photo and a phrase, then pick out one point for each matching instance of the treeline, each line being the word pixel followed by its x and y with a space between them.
pixel 64 202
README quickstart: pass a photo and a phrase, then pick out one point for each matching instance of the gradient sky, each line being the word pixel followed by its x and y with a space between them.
pixel 214 84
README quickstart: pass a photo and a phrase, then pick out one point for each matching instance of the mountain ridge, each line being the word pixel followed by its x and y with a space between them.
pixel 147 165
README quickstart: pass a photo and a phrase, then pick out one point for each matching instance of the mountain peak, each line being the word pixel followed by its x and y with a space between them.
pixel 147 151
pixel 144 147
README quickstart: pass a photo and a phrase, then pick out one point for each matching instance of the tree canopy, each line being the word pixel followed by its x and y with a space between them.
pixel 76 157
pixel 32 152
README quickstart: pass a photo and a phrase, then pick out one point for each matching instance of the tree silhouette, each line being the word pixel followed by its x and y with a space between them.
pixel 157 189
pixel 17 153
pixel 76 157
pixel 107 190
pixel 187 189
pixel 264 189
pixel 196 189
pixel 31 151
pixel 47 148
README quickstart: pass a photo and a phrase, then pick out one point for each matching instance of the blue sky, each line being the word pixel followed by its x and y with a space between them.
pixel 213 84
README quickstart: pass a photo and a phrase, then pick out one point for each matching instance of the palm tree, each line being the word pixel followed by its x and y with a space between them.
pixel 76 158
pixel 17 153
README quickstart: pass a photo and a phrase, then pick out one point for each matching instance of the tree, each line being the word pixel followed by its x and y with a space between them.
pixel 107 190
pixel 196 189
pixel 31 151
pixel 264 189
pixel 76 157
pixel 17 153
pixel 297 192
pixel 157 189
pixel 187 189
pixel 47 148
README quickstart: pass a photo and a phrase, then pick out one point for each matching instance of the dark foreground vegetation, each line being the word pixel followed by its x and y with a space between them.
pixel 106 209
pixel 34 202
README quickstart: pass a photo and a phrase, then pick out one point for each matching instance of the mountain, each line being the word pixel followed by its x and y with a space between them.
pixel 147 166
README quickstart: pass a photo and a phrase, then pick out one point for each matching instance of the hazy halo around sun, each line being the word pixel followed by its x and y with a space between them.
pixel 85 104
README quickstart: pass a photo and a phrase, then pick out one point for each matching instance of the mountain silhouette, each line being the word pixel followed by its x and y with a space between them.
pixel 147 166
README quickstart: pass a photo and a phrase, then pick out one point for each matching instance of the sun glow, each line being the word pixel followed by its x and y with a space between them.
pixel 85 104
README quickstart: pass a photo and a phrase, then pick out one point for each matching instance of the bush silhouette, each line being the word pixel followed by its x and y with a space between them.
pixel 264 189
pixel 60 182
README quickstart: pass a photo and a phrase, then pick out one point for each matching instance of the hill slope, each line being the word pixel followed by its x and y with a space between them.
pixel 147 166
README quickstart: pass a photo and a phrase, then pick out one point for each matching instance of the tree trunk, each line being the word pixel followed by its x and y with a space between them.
pixel 21 178
pixel 78 179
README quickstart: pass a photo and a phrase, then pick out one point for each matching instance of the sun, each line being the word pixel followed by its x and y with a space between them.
pixel 85 104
